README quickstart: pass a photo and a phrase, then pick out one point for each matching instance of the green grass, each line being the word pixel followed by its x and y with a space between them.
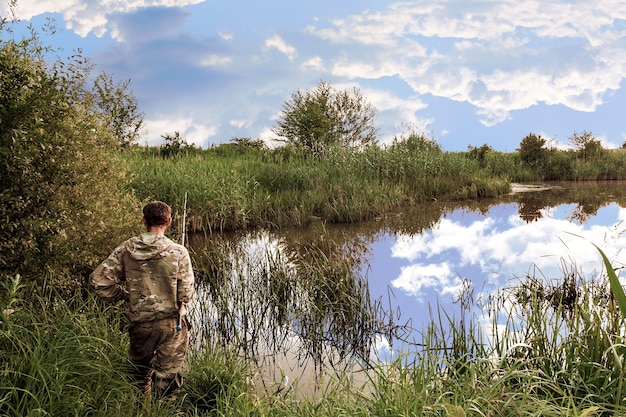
pixel 558 351
pixel 284 188
pixel 59 359
pixel 273 188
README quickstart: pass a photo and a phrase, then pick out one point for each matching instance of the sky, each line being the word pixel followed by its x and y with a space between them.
pixel 464 72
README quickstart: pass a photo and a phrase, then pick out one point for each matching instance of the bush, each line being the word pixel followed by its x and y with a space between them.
pixel 531 149
pixel 323 117
pixel 415 143
pixel 60 170
pixel 558 165
pixel 479 154
pixel 175 146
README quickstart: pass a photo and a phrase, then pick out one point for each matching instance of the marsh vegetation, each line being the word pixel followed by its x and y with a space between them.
pixel 73 183
pixel 560 352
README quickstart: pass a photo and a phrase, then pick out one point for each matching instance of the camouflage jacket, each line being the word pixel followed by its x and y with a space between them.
pixel 150 273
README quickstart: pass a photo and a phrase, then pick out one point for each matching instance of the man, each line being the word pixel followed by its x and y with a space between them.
pixel 154 276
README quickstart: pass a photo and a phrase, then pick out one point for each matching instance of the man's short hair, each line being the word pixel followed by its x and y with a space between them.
pixel 157 213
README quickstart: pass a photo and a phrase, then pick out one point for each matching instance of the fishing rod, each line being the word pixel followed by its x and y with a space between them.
pixel 181 306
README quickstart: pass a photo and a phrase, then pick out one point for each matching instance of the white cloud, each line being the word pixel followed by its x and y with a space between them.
pixel 354 69
pixel 607 144
pixel 269 137
pixel 226 36
pixel 192 132
pixel 276 42
pixel 439 239
pixel 199 134
pixel 88 16
pixel 26 9
pixel 415 278
pixel 239 124
pixel 489 54
pixel 214 60
pixel 404 109
pixel 497 250
pixel 315 64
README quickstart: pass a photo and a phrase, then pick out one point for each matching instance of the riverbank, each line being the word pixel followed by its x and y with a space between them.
pixel 231 187
pixel 68 358
pixel 275 188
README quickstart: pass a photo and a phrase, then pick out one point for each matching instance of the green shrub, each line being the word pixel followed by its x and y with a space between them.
pixel 557 165
pixel 531 149
pixel 61 191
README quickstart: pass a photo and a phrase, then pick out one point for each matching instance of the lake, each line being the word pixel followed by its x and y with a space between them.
pixel 412 263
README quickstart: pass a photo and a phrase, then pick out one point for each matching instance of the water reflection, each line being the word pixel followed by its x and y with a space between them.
pixel 265 295
pixel 546 234
pixel 335 289
pixel 495 246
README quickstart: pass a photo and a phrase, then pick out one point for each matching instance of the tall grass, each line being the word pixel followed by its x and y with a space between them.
pixel 283 187
pixel 272 188
pixel 551 349
pixel 60 361
pixel 569 165
pixel 266 298
pixel 538 348
pixel 67 357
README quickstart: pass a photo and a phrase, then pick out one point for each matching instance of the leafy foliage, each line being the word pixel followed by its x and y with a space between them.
pixel 479 154
pixel 240 146
pixel 586 144
pixel 531 149
pixel 118 108
pixel 415 144
pixel 616 285
pixel 58 172
pixel 175 145
pixel 317 119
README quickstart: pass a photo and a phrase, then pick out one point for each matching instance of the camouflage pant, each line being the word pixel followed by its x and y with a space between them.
pixel 157 351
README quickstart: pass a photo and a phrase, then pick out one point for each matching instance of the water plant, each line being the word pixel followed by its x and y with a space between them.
pixel 538 347
pixel 616 285
pixel 274 188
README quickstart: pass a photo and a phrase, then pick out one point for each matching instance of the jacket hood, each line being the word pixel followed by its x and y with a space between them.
pixel 147 246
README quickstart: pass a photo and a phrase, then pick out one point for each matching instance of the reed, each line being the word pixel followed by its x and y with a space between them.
pixel 540 347
pixel 64 356
pixel 269 188
pixel 552 347
pixel 264 298
pixel 556 349
pixel 58 360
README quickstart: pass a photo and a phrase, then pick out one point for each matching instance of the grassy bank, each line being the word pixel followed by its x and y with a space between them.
pixel 229 189
pixel 232 187
pixel 558 352
pixel 65 355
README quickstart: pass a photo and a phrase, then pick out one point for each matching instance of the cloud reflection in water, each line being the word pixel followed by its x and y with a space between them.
pixel 493 250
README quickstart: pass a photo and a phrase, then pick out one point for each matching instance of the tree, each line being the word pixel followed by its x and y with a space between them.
pixel 316 119
pixel 586 144
pixel 531 149
pixel 175 145
pixel 118 108
pixel 479 154
pixel 62 191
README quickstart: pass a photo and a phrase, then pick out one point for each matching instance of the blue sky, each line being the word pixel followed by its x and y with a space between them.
pixel 464 72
